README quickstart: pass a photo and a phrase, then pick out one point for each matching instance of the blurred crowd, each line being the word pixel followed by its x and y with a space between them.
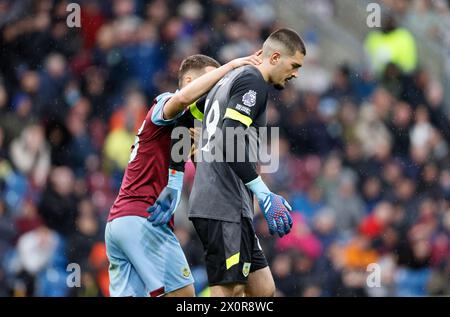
pixel 364 156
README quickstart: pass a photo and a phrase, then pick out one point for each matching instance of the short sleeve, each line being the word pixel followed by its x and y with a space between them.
pixel 248 97
pixel 157 114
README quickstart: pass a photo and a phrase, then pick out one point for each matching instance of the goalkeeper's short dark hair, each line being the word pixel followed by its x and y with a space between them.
pixel 289 39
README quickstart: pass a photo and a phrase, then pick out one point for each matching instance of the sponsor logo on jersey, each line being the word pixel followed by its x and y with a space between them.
pixel 244 109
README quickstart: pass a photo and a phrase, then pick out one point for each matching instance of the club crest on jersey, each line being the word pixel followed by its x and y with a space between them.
pixel 186 273
pixel 246 269
pixel 249 99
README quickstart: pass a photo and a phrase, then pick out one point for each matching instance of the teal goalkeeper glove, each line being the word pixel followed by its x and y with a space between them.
pixel 274 207
pixel 168 200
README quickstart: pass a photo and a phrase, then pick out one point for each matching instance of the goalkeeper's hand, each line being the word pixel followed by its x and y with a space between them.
pixel 276 211
pixel 168 200
pixel 274 207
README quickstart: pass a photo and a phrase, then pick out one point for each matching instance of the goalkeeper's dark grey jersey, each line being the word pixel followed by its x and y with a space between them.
pixel 218 193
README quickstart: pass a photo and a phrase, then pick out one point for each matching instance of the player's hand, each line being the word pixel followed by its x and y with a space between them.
pixel 168 200
pixel 254 59
pixel 274 207
pixel 164 207
pixel 276 211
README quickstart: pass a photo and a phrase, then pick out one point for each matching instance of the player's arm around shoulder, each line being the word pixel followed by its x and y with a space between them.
pixel 194 90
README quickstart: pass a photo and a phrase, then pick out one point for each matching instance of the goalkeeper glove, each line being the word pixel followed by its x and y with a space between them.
pixel 168 200
pixel 274 207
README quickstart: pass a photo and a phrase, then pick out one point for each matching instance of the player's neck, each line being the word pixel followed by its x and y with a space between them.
pixel 264 72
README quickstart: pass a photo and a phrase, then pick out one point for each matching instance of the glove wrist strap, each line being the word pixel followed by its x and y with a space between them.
pixel 175 179
pixel 259 188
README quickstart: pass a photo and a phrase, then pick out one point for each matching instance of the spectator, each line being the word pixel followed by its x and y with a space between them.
pixel 325 227
pixel 370 131
pixel 53 79
pixel 14 123
pixel 36 251
pixel 371 192
pixel 375 224
pixel 347 204
pixel 30 154
pixel 87 233
pixel 79 145
pixel 391 44
pixel 58 205
pixel 301 239
pixel 282 275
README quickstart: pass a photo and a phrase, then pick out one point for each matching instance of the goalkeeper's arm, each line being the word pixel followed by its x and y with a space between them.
pixel 274 207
